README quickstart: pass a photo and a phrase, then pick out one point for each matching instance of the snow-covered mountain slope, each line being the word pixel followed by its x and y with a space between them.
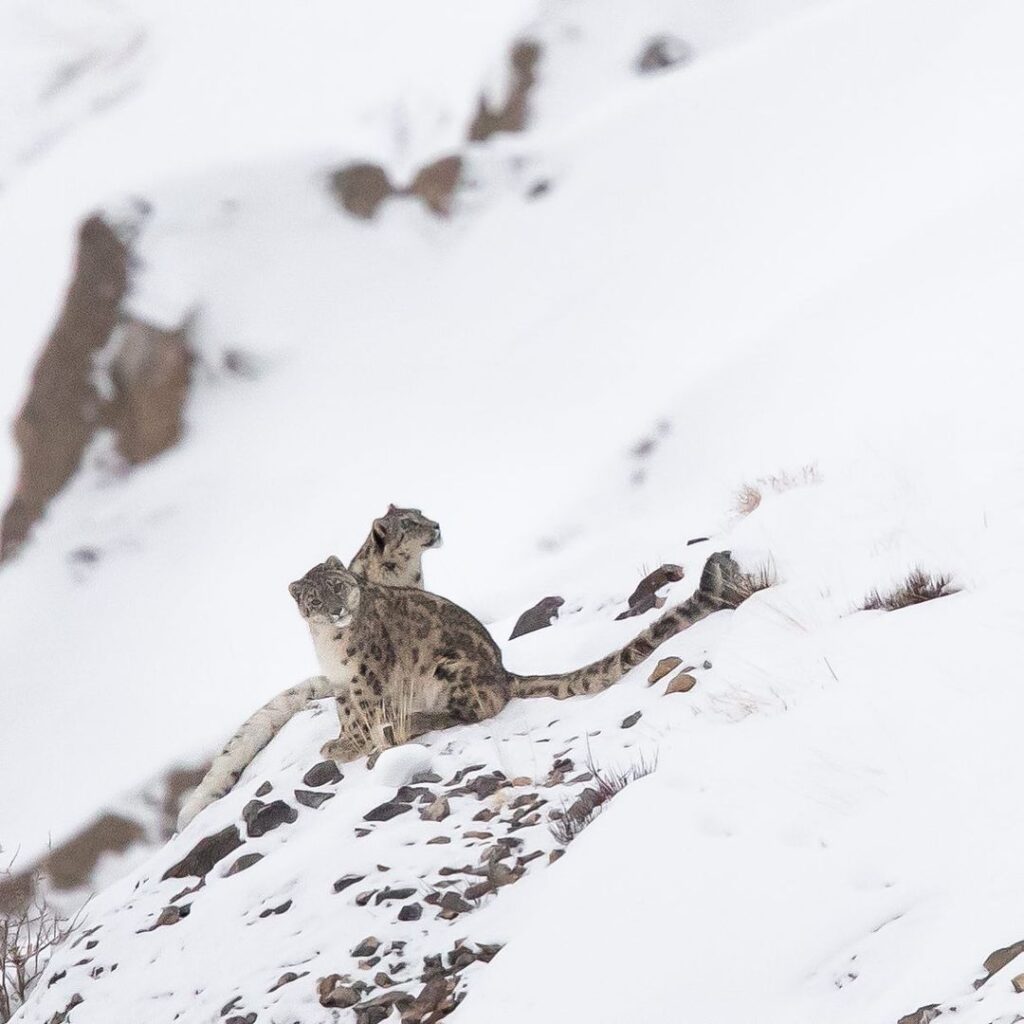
pixel 791 263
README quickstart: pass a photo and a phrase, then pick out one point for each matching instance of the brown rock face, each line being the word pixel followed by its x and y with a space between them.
pixel 150 374
pixel 512 114
pixel 62 409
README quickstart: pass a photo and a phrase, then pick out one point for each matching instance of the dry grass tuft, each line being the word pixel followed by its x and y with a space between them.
pixel 918 587
pixel 575 817
pixel 750 496
pixel 750 583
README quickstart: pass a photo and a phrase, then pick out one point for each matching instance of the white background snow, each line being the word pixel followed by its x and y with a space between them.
pixel 803 248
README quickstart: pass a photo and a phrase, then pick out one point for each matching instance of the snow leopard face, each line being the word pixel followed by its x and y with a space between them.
pixel 328 593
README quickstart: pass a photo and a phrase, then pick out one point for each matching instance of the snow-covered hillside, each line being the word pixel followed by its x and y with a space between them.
pixel 789 264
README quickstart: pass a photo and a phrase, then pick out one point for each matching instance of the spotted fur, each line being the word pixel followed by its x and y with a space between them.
pixel 382 646
pixel 392 554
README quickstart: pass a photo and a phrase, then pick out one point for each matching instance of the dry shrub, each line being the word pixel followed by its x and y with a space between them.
pixel 573 818
pixel 28 937
pixel 749 583
pixel 750 496
pixel 918 587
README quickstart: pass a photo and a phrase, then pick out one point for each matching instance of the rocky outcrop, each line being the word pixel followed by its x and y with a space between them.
pixel 141 399
pixel 511 115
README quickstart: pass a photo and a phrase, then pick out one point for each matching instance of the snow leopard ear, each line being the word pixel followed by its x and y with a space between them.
pixel 333 562
pixel 295 589
pixel 379 532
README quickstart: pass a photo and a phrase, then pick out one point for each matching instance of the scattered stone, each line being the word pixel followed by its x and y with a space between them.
pixel 472 834
pixel 322 774
pixel 562 764
pixel 230 1005
pixel 660 53
pixel 696 540
pixel 523 861
pixel 245 861
pixel 538 189
pixel 1018 983
pixel 439 841
pixel 540 616
pixel 581 778
pixel 57 977
pixel 683 682
pixel 435 1000
pixel 308 798
pixel 62 1015
pixel 265 788
pixel 383 867
pixel 410 794
pixel 333 993
pixel 262 818
pixel 386 811
pixel 645 597
pixel 207 852
pixel 286 979
pixel 364 897
pixel 369 962
pixel 480 889
pixel 486 785
pixel 522 780
pixel 411 912
pixel 706 665
pixel 527 822
pixel 249 1018
pixel 361 832
pixel 169 915
pixel 555 855
pixel 345 881
pixel 387 893
pixel 378 1009
pixel 522 801
pixel 438 810
pixel 361 188
pixel 923 1015
pixel 270 911
pixel 485 815
pixel 383 979
pixel 499 874
pixel 998 959
pixel 452 904
pixel 367 947
pixel 425 778
pixel 463 772
pixel 631 720
pixel 663 668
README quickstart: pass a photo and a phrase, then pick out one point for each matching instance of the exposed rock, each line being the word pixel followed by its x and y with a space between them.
pixel 436 811
pixel 663 668
pixel 274 911
pixel 286 979
pixel 62 1015
pixel 683 682
pixel 439 841
pixel 411 912
pixel 386 811
pixel 245 861
pixel 150 376
pixel 435 1000
pixel 378 1009
pixel 169 915
pixel 540 616
pixel 387 893
pixel 485 815
pixel 436 184
pixel 999 958
pixel 410 794
pixel 361 188
pixel 333 992
pixel 262 818
pixel 265 788
pixel 630 720
pixel 645 597
pixel 364 897
pixel 62 409
pixel 425 778
pixel 662 52
pixel 309 798
pixel 207 852
pixel 453 904
pixel 512 114
pixel 1018 983
pixel 345 881
pixel 249 1018
pixel 463 772
pixel 367 947
pixel 322 774
pixel 923 1015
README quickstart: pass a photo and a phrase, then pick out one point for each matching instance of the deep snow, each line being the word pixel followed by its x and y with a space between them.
pixel 804 248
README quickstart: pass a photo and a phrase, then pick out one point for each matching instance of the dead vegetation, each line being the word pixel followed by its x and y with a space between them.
pixel 919 586
pixel 750 495
pixel 28 937
pixel 749 583
pixel 571 820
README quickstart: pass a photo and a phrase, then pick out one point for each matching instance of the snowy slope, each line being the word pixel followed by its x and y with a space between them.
pixel 802 249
